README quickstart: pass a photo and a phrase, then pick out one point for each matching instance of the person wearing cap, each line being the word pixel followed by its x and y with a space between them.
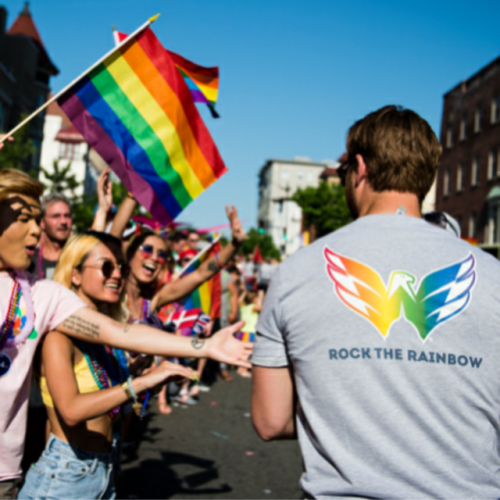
pixel 378 344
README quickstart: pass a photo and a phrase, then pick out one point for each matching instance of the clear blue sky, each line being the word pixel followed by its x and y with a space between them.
pixel 294 74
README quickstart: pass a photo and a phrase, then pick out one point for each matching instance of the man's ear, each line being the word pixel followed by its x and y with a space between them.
pixel 76 278
pixel 362 173
pixel 42 224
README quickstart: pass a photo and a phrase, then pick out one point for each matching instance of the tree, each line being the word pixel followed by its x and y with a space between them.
pixel 325 207
pixel 61 179
pixel 15 153
pixel 263 241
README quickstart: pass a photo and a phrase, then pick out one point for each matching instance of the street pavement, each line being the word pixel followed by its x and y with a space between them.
pixel 210 451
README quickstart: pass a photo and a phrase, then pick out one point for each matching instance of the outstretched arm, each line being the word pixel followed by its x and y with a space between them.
pixel 173 291
pixel 57 357
pixel 92 326
pixel 123 216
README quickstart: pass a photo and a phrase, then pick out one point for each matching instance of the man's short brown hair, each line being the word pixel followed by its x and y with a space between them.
pixel 400 149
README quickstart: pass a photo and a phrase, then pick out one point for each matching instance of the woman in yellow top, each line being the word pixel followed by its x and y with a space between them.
pixel 83 385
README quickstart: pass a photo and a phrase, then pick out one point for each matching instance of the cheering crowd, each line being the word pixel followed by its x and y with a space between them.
pixel 107 301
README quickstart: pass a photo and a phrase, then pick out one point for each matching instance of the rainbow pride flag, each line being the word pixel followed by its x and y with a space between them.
pixel 136 111
pixel 203 82
pixel 208 295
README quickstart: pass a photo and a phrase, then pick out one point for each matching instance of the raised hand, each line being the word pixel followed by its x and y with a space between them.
pixel 104 191
pixel 227 349
pixel 164 371
pixel 237 231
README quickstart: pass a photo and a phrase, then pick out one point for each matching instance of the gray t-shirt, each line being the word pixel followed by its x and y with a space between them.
pixel 391 326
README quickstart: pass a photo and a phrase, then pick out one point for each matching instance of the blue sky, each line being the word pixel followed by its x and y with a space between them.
pixel 294 74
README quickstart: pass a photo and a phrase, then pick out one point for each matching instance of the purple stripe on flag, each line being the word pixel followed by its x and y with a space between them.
pixel 198 96
pixel 114 157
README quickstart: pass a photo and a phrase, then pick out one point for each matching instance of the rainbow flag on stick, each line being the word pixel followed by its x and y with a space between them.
pixel 203 83
pixel 208 295
pixel 136 111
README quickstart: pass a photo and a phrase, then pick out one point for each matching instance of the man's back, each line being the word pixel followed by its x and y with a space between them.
pixel 390 325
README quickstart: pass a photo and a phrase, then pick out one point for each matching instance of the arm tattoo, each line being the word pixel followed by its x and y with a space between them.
pixel 82 327
pixel 213 267
pixel 197 343
pixel 126 329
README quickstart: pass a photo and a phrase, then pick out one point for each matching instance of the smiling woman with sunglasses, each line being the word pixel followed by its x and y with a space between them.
pixel 83 385
pixel 148 253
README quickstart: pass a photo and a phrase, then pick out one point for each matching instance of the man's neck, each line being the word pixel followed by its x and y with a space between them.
pixel 52 248
pixel 390 202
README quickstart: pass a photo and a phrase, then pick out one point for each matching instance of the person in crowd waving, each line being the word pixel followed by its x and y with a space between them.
pixel 83 385
pixel 30 307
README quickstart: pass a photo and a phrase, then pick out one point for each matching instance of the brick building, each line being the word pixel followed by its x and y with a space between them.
pixel 468 181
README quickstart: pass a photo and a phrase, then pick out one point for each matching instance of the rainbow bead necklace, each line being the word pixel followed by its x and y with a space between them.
pixel 8 324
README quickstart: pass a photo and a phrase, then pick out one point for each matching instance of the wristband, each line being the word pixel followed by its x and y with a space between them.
pixel 130 195
pixel 129 390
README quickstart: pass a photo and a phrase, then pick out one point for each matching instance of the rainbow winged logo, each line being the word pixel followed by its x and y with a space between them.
pixel 440 296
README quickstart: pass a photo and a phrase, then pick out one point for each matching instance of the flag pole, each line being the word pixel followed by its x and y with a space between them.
pixel 53 98
pixel 200 254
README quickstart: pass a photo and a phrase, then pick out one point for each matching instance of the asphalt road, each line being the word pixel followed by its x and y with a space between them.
pixel 210 451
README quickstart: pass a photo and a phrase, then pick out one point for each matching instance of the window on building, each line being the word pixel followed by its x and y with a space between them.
pixel 69 151
pixel 475 171
pixel 478 115
pixel 463 128
pixel 495 110
pixel 460 177
pixel 492 163
pixel 446 182
pixel 300 174
pixel 310 176
pixel 285 174
pixel 449 136
pixel 459 222
pixel 472 225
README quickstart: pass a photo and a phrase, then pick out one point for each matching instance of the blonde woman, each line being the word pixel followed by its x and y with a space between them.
pixel 83 385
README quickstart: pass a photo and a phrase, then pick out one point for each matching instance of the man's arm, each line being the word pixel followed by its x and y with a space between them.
pixel 92 326
pixel 273 403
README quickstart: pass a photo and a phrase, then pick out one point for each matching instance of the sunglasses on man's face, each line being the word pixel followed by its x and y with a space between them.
pixel 342 172
pixel 108 267
pixel 148 251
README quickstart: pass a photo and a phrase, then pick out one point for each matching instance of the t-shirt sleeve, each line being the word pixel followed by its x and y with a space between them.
pixel 270 348
pixel 63 303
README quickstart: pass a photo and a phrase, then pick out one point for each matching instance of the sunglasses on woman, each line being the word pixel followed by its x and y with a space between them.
pixel 147 251
pixel 108 267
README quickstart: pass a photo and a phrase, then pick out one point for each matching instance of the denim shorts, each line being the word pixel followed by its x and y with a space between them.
pixel 65 471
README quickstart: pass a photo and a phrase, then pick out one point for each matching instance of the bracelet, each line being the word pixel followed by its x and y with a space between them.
pixel 217 261
pixel 129 390
pixel 130 195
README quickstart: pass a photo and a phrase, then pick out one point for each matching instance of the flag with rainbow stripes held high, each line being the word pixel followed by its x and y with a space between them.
pixel 136 111
pixel 203 82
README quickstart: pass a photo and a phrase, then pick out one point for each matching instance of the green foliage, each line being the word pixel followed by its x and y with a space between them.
pixel 82 208
pixel 324 206
pixel 119 193
pixel 263 241
pixel 61 179
pixel 14 154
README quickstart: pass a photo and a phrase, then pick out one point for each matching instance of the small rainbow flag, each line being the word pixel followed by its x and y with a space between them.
pixel 136 111
pixel 245 336
pixel 203 83
pixel 208 295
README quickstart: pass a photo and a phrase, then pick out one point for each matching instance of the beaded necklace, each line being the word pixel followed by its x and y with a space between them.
pixel 21 287
pixel 39 262
pixel 107 365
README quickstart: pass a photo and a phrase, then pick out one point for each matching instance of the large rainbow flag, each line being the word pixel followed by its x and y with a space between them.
pixel 136 111
pixel 208 295
pixel 203 82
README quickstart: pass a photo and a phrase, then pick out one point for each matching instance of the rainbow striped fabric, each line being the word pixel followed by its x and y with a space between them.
pixel 136 111
pixel 208 295
pixel 202 82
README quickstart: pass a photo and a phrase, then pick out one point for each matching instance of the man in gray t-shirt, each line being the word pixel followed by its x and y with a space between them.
pixel 386 332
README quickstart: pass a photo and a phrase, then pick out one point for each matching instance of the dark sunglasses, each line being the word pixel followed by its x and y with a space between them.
pixel 147 251
pixel 342 171
pixel 107 269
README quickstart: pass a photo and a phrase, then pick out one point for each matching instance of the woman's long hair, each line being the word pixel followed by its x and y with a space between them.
pixel 74 255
